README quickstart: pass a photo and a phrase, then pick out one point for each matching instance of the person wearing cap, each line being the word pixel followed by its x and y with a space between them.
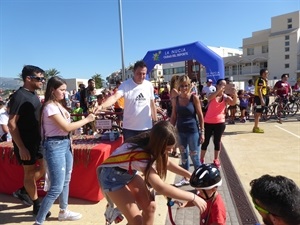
pixel 277 199
pixel 206 91
pixel 206 179
pixel 209 88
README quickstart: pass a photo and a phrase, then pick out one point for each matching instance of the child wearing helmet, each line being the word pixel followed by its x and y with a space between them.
pixel 206 179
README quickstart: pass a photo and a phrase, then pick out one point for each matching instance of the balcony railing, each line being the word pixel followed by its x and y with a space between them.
pixel 247 70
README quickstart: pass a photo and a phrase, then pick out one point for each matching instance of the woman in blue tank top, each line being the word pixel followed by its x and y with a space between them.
pixel 187 109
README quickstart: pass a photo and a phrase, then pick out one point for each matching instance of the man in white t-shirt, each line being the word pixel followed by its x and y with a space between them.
pixel 139 105
pixel 209 88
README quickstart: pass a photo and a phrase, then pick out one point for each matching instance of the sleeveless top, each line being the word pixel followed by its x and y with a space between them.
pixel 186 117
pixel 216 111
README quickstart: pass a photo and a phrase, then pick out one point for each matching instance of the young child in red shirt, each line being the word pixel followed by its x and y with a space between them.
pixel 206 179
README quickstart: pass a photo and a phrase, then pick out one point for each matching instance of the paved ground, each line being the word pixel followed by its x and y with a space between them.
pixel 277 151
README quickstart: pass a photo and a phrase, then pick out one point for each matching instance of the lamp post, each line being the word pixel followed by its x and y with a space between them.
pixel 121 37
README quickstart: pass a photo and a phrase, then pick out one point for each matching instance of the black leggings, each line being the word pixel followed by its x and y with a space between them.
pixel 216 130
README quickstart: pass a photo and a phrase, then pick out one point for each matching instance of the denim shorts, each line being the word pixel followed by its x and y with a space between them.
pixel 114 178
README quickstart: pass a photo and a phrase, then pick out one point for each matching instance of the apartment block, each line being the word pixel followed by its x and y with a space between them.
pixel 276 48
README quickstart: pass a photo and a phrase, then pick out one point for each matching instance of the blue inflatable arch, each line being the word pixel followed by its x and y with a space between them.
pixel 213 62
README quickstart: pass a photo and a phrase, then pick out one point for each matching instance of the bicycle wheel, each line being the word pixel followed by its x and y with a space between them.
pixel 268 112
pixel 290 109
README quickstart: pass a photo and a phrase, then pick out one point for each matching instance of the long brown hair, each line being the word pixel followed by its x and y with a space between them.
pixel 155 142
pixel 52 84
pixel 173 82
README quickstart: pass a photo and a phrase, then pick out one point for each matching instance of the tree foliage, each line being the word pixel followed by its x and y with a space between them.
pixel 98 80
pixel 51 73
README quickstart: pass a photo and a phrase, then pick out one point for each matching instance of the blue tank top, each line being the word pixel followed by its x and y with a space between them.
pixel 186 117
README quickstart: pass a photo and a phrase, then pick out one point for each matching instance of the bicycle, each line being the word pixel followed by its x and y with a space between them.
pixel 279 108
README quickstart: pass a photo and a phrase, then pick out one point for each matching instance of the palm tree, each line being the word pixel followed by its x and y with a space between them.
pixel 51 73
pixel 98 80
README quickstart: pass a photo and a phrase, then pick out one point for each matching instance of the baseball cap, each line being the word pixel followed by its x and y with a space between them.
pixel 209 80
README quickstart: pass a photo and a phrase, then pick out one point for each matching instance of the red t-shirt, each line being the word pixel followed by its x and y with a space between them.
pixel 283 88
pixel 217 212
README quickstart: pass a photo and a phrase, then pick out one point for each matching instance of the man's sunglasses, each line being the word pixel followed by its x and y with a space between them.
pixel 40 79
pixel 260 209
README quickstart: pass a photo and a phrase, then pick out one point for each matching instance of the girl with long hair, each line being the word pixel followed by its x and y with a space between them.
pixel 55 129
pixel 147 153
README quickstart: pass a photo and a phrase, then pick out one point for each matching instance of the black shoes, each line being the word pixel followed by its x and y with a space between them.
pixel 36 208
pixel 23 196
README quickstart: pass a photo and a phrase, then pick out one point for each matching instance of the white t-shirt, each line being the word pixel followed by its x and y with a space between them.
pixel 3 121
pixel 49 127
pixel 208 90
pixel 250 89
pixel 137 109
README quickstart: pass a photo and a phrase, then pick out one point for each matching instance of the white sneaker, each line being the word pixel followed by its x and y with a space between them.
pixel 112 215
pixel 69 215
pixel 182 183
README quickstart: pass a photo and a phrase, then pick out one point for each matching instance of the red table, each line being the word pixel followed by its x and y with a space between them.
pixel 89 153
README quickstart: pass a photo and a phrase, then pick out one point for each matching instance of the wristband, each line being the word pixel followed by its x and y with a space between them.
pixel 194 198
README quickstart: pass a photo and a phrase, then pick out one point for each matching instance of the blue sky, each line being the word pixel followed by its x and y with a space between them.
pixel 82 37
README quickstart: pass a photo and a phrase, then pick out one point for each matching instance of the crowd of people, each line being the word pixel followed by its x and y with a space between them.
pixel 41 136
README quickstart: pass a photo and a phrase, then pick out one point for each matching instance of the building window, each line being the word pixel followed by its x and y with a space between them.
pixel 287 57
pixel 167 71
pixel 287 37
pixel 287 43
pixel 264 49
pixel 250 51
pixel 289 26
pixel 179 70
pixel 287 49
pixel 195 68
pixel 289 20
pixel 286 65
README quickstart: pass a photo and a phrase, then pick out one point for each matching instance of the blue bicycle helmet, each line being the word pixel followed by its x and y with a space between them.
pixel 206 176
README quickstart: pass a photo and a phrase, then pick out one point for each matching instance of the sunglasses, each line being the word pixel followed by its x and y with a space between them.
pixel 258 208
pixel 40 79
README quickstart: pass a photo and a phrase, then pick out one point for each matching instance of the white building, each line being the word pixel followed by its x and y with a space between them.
pixel 226 52
pixel 276 49
pixel 73 83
